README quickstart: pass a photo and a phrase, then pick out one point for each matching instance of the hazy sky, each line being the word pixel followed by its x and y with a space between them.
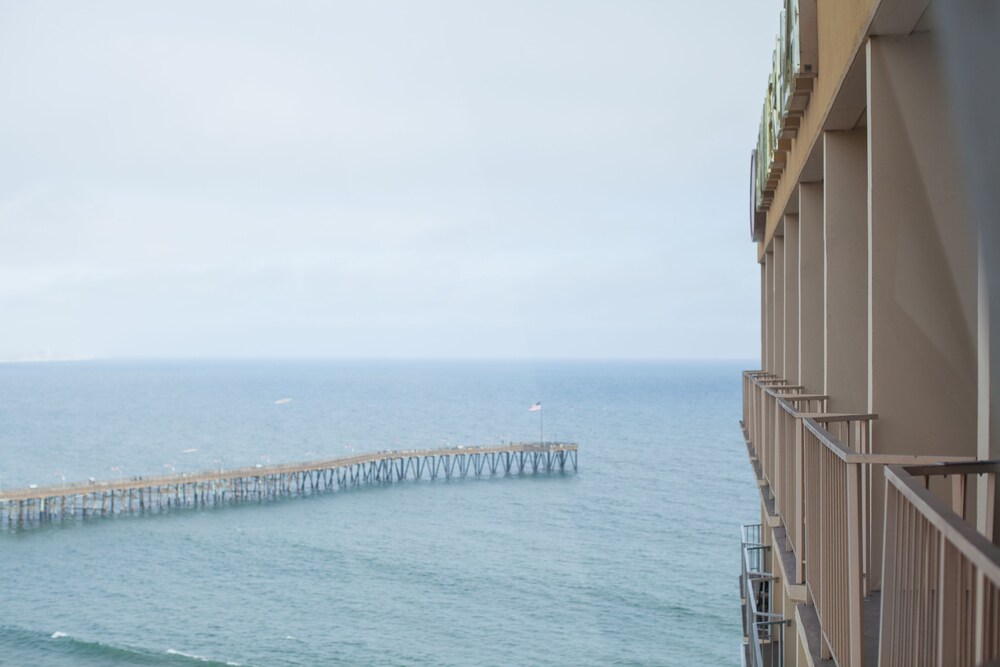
pixel 380 179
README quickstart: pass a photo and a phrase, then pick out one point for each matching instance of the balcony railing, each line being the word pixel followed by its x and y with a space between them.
pixel 754 384
pixel 828 489
pixel 764 630
pixel 772 428
pixel 791 410
pixel 941 595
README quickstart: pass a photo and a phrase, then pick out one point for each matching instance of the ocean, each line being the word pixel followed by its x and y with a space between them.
pixel 633 560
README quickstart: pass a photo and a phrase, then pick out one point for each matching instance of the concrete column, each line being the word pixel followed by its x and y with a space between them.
pixel 845 217
pixel 792 298
pixel 923 279
pixel 812 297
pixel 763 317
pixel 768 322
pixel 988 427
pixel 778 328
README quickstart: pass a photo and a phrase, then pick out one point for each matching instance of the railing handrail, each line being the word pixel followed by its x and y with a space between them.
pixel 970 542
pixel 848 455
pixel 834 416
pixel 826 417
pixel 786 406
pixel 783 401
pixel 777 389
pixel 781 620
pixel 954 468
pixel 805 397
pixel 828 440
pixel 748 569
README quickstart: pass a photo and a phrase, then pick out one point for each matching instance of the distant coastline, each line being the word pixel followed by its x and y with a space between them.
pixel 41 357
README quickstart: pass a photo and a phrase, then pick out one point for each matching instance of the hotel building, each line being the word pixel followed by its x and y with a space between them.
pixel 872 426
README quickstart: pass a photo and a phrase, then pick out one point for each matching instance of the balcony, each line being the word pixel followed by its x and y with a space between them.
pixel 941 594
pixel 763 630
pixel 823 489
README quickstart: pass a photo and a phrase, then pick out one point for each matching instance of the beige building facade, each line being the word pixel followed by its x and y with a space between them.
pixel 871 424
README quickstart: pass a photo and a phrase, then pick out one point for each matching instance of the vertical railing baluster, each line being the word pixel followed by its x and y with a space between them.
pixel 799 510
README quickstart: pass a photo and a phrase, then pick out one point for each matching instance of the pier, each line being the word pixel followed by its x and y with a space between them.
pixel 27 506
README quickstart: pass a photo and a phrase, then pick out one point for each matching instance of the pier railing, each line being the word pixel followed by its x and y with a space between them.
pixel 941 592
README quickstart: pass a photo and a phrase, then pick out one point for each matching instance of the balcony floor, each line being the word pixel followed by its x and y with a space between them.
pixel 805 614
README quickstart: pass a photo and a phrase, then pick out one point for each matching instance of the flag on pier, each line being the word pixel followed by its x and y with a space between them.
pixel 537 407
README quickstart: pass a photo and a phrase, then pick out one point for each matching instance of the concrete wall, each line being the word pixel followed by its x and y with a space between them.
pixel 968 33
pixel 922 308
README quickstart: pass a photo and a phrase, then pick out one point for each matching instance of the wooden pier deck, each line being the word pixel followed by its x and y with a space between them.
pixel 258 483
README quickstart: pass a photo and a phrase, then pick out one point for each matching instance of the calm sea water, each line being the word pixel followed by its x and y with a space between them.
pixel 632 561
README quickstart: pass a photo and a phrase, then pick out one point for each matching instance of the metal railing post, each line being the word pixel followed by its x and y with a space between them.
pixel 799 511
pixel 855 559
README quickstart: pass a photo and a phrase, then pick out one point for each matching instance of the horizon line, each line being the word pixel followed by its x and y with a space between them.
pixel 323 358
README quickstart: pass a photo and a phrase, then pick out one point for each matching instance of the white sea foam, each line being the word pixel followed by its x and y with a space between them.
pixel 197 657
pixel 188 655
pixel 57 635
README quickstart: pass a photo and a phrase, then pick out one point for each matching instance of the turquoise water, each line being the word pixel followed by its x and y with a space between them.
pixel 632 561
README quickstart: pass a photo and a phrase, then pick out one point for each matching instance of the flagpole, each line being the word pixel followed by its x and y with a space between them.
pixel 537 407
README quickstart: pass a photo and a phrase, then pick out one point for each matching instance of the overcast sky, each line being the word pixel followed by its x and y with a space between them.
pixel 380 179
